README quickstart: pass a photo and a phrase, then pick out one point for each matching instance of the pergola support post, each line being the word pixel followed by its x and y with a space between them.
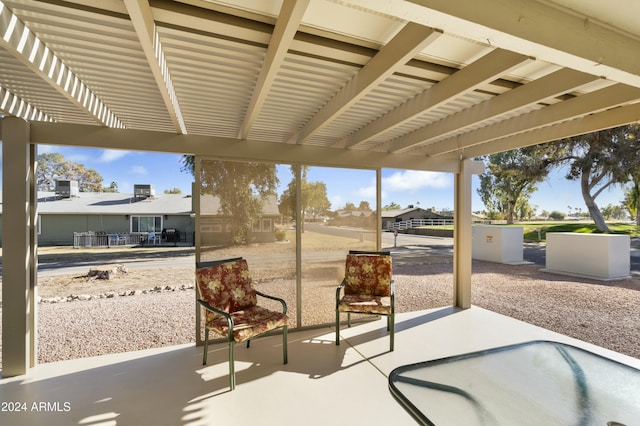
pixel 462 235
pixel 19 241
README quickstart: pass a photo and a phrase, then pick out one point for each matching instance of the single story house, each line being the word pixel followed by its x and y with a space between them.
pixel 215 228
pixel 390 217
pixel 61 216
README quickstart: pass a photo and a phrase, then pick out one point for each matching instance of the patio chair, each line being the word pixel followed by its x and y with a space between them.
pixel 231 307
pixel 368 289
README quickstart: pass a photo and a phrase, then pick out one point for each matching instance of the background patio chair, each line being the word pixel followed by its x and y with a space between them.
pixel 230 302
pixel 368 289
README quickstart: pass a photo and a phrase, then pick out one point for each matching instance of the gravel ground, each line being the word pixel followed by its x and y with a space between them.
pixel 605 314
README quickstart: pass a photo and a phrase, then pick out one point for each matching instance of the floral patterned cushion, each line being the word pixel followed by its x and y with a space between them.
pixel 365 304
pixel 368 275
pixel 227 286
pixel 247 323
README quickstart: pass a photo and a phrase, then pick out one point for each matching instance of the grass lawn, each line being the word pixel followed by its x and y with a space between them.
pixel 537 231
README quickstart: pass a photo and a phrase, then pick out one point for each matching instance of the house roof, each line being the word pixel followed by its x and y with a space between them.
pixel 119 203
pixel 400 212
pixel 108 203
pixel 414 84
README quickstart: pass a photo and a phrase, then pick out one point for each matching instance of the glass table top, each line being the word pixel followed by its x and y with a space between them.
pixel 533 383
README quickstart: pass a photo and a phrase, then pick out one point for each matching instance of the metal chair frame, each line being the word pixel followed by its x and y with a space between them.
pixel 230 339
pixel 390 316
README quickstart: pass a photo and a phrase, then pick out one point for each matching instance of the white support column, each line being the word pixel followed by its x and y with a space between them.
pixel 462 236
pixel 196 193
pixel 33 252
pixel 299 228
pixel 19 249
pixel 379 208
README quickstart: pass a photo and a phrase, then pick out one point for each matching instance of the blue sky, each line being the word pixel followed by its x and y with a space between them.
pixel 403 187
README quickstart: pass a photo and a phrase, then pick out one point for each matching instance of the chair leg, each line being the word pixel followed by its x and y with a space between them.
pixel 232 372
pixel 348 319
pixel 248 343
pixel 392 327
pixel 206 346
pixel 337 327
pixel 284 345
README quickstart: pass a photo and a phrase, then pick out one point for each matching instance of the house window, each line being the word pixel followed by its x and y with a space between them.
pixel 146 223
pixel 216 225
pixel 262 225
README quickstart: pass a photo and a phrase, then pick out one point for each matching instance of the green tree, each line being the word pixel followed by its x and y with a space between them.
pixel 53 166
pixel 314 198
pixel 392 206
pixel 173 191
pixel 556 215
pixel 350 207
pixel 598 161
pixel 632 199
pixel 364 206
pixel 611 212
pixel 241 188
pixel 510 179
pixel 113 187
pixel 632 194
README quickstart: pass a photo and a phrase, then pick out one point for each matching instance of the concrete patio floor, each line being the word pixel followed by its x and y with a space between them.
pixel 322 383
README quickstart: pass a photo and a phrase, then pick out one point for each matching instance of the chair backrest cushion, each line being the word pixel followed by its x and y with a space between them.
pixel 227 286
pixel 368 274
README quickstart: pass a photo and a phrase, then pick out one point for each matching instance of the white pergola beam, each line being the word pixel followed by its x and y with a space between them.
pixel 11 104
pixel 25 46
pixel 145 27
pixel 289 19
pixel 555 84
pixel 486 69
pixel 410 41
pixel 589 103
pixel 590 123
pixel 231 148
pixel 535 28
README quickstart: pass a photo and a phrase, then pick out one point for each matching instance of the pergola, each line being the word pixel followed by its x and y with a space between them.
pixel 422 85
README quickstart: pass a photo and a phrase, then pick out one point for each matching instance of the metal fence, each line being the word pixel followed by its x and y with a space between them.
pixel 416 223
pixel 104 239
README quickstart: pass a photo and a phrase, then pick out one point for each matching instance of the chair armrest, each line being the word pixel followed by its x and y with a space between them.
pixel 340 287
pixel 393 296
pixel 219 312
pixel 284 304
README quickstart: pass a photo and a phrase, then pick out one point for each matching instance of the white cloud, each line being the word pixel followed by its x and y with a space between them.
pixel 46 149
pixel 412 181
pixel 109 155
pixel 367 193
pixel 408 181
pixel 337 202
pixel 139 170
pixel 77 158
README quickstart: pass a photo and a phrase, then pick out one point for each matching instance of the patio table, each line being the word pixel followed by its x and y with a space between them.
pixel 532 383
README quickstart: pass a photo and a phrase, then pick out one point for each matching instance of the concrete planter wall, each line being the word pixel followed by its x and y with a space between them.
pixel 494 243
pixel 598 256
